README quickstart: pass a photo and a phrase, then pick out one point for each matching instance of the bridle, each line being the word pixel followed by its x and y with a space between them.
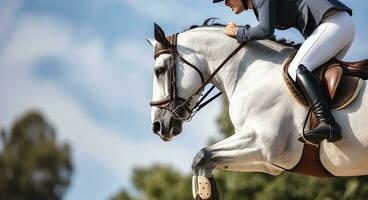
pixel 169 103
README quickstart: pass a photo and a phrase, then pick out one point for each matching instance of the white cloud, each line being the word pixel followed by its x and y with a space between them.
pixel 34 38
pixel 8 11
pixel 186 13
pixel 105 78
pixel 164 10
pixel 39 37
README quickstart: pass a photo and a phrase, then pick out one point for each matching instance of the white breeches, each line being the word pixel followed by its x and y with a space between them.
pixel 332 38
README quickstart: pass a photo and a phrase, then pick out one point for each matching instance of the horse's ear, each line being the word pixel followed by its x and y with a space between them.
pixel 152 42
pixel 160 36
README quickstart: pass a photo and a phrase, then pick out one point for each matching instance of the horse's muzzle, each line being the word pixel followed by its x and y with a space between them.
pixel 167 128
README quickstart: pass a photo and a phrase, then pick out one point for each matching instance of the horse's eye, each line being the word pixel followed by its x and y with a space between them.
pixel 160 71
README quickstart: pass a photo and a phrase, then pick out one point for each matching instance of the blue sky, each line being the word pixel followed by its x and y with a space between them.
pixel 86 66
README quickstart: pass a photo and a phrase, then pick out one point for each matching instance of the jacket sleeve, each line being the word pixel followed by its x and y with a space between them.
pixel 266 16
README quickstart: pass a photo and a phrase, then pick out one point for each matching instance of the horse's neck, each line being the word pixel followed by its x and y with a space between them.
pixel 256 61
pixel 252 80
pixel 213 47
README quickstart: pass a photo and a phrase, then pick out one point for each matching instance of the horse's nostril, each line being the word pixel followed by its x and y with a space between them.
pixel 156 127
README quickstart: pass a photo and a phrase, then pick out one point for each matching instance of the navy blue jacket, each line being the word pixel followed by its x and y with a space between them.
pixel 304 15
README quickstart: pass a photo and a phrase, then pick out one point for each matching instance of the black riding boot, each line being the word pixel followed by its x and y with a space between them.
pixel 327 128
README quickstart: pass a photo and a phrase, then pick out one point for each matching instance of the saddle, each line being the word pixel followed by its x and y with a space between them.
pixel 341 82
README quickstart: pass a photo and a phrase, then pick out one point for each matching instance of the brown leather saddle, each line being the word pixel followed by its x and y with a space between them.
pixel 341 82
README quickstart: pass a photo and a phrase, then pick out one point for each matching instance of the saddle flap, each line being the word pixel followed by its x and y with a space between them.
pixel 331 80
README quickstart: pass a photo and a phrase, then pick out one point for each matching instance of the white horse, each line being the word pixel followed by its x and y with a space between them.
pixel 266 118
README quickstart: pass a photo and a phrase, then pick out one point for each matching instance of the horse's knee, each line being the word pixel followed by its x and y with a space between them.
pixel 202 160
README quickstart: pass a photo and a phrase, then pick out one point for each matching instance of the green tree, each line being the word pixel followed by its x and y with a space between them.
pixel 32 164
pixel 123 195
pixel 162 183
pixel 159 183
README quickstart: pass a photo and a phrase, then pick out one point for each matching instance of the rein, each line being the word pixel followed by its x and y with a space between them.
pixel 168 102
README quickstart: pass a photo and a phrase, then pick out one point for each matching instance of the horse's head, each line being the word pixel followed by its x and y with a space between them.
pixel 174 84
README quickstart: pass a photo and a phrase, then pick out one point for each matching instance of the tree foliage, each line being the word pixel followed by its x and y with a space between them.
pixel 163 183
pixel 159 183
pixel 123 195
pixel 32 164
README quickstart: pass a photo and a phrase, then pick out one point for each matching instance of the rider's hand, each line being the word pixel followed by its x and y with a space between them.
pixel 231 29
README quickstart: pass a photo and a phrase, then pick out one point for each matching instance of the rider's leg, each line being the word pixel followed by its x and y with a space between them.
pixel 332 37
pixel 327 127
pixel 341 54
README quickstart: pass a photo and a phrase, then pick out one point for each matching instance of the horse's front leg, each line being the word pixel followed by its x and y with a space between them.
pixel 239 152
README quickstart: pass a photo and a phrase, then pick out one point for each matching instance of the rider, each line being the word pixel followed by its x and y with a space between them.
pixel 328 29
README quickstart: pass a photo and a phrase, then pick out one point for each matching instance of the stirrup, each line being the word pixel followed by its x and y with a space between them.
pixel 321 136
pixel 302 139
